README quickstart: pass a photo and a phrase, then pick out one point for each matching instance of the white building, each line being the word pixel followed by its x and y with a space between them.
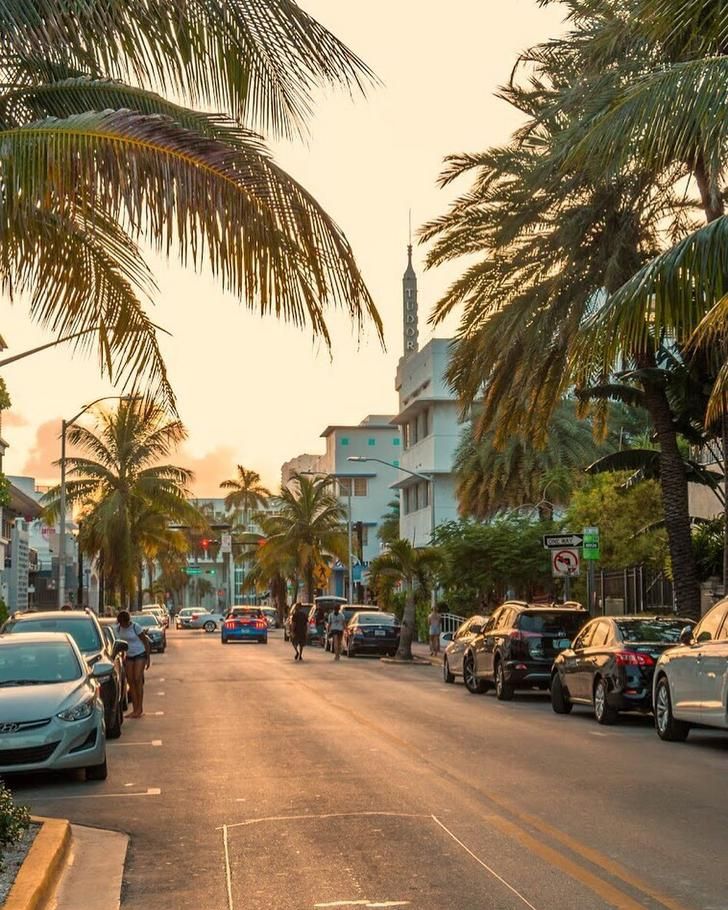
pixel 429 424
pixel 369 483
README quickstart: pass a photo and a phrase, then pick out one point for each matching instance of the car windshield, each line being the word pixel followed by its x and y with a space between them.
pixel 81 629
pixel 659 631
pixel 35 663
pixel 371 619
pixel 145 619
pixel 563 625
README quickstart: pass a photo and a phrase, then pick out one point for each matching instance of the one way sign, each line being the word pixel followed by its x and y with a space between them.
pixel 557 541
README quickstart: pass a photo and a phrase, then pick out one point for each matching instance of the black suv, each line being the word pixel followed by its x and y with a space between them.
pixel 517 647
pixel 85 630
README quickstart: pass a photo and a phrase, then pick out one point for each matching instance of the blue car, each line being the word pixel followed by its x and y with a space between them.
pixel 244 624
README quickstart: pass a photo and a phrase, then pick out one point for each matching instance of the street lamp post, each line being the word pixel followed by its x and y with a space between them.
pixel 429 479
pixel 65 424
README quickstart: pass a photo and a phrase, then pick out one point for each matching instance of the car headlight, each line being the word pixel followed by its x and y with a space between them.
pixel 80 711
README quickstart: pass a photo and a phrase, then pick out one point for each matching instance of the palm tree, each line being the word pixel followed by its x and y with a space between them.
pixel 491 477
pixel 247 494
pixel 94 164
pixel 124 491
pixel 412 567
pixel 555 240
pixel 307 528
pixel 389 523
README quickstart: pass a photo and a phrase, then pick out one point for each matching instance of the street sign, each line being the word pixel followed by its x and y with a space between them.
pixel 193 570
pixel 565 563
pixel 590 546
pixel 558 541
pixel 226 543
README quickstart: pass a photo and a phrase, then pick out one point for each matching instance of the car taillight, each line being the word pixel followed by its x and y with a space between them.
pixel 230 624
pixel 634 659
pixel 358 632
pixel 260 624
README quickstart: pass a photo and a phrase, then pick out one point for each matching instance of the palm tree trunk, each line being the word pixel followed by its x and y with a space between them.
pixel 724 455
pixel 409 618
pixel 674 483
pixel 309 583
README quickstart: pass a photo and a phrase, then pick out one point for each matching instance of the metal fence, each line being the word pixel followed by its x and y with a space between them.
pixel 638 589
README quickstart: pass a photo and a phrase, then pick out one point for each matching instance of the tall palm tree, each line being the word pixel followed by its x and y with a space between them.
pixel 307 528
pixel 412 566
pixel 554 240
pixel 125 492
pixel 246 495
pixel 94 163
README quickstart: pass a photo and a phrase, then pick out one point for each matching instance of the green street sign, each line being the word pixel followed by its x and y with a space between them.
pixel 590 548
pixel 193 570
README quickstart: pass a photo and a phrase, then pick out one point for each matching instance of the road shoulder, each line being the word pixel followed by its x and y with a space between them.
pixel 94 870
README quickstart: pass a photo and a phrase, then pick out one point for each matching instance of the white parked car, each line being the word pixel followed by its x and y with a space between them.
pixel 204 619
pixel 691 680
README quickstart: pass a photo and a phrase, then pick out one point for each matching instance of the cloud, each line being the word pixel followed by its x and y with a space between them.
pixel 46 450
pixel 209 469
pixel 13 419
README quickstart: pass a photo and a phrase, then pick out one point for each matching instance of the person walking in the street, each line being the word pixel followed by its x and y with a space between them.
pixel 433 621
pixel 137 658
pixel 336 630
pixel 299 630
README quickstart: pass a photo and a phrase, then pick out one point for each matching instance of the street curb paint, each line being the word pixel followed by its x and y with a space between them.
pixel 42 867
pixel 415 662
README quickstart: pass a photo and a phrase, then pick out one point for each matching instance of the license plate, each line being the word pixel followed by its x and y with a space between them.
pixel 379 632
pixel 561 644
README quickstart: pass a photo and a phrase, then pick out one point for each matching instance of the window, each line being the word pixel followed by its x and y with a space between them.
pixel 345 440
pixel 602 635
pixel 361 486
pixel 405 435
pixel 345 487
pixel 396 441
pixel 414 432
pixel 364 535
pixel 710 623
pixel 371 442
pixel 583 640
pixel 406 500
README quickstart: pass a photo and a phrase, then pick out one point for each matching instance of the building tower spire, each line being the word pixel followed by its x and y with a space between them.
pixel 409 303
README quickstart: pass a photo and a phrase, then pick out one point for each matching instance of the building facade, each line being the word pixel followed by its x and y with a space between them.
pixel 429 426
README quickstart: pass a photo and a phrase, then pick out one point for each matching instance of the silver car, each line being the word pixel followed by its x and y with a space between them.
pixel 204 619
pixel 51 713
pixel 690 684
pixel 452 661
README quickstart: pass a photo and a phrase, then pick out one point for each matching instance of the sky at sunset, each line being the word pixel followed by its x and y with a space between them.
pixel 257 392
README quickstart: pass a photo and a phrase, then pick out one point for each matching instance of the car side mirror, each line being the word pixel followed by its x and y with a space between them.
pixel 447 636
pixel 102 669
pixel 686 636
pixel 120 647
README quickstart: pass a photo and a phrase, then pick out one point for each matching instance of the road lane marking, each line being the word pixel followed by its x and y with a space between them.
pixel 364 903
pixel 311 816
pixel 582 850
pixel 151 742
pixel 157 713
pixel 611 895
pixel 228 873
pixel 488 869
pixel 150 791
pixel 161 693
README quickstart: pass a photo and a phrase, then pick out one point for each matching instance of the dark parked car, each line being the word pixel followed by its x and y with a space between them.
pixel 108 627
pixel 287 620
pixel 154 629
pixel 452 661
pixel 371 632
pixel 611 664
pixel 517 647
pixel 348 611
pixel 83 627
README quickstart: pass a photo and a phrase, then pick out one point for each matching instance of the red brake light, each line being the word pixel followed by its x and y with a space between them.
pixel 634 659
pixel 260 624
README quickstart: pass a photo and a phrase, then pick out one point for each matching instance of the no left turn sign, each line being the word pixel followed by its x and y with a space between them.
pixel 565 563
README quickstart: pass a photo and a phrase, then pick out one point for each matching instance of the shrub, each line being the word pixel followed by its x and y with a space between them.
pixel 14 820
pixel 3 611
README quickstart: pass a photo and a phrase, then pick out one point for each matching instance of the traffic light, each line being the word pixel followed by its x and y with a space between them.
pixel 205 543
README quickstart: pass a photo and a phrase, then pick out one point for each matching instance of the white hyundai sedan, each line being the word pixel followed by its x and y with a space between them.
pixel 691 680
pixel 51 713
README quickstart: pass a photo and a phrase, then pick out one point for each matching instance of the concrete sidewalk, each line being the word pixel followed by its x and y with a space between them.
pixel 94 871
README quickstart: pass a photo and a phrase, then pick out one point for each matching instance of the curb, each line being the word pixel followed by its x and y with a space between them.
pixel 42 867
pixel 415 662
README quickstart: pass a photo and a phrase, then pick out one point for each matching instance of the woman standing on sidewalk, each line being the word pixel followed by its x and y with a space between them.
pixel 137 658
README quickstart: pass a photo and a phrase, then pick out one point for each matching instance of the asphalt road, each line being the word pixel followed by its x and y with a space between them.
pixel 257 783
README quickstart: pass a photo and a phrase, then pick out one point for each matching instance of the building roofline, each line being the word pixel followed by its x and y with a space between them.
pixel 357 426
pixel 23 504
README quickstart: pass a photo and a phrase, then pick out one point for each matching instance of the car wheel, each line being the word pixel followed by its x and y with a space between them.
pixel 113 730
pixel 447 676
pixel 668 728
pixel 603 711
pixel 472 683
pixel 503 689
pixel 209 626
pixel 559 700
pixel 97 772
pixel 264 641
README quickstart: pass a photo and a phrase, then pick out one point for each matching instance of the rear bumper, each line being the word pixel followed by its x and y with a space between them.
pixel 374 646
pixel 237 635
pixel 527 674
